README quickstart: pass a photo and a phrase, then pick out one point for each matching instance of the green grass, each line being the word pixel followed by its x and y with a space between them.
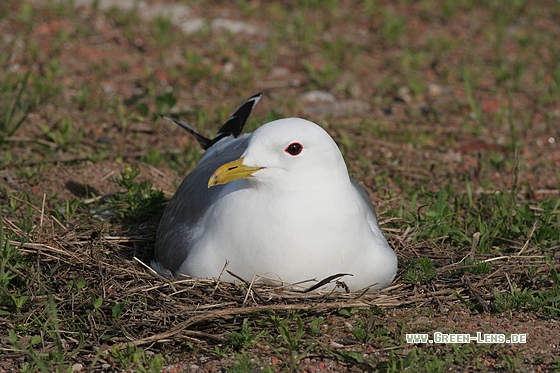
pixel 483 225
pixel 496 216
pixel 546 302
pixel 15 108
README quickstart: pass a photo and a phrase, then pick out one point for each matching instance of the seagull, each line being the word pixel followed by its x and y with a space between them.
pixel 277 204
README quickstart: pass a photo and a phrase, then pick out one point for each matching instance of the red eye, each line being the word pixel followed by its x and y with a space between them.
pixel 294 148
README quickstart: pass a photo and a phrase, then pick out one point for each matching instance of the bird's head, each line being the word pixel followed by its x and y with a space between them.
pixel 287 153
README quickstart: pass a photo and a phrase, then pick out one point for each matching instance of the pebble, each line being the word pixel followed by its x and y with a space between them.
pixel 404 94
pixel 317 96
pixel 235 27
pixel 434 89
pixel 192 26
pixel 279 72
pixel 335 345
pixel 339 108
pixel 179 14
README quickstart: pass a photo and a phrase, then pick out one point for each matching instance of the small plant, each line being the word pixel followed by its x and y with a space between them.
pixel 133 357
pixel 245 338
pixel 117 310
pixel 13 293
pixel 153 157
pixel 439 219
pixel 63 134
pixel 512 363
pixel 420 270
pixel 140 201
pixel 393 26
pixel 475 107
pixel 83 97
pixel 243 363
pixel 314 330
pixel 293 342
pixel 476 268
pixel 162 28
pixel 165 102
pixel 348 312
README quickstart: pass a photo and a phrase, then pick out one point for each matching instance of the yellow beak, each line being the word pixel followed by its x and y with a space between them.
pixel 231 171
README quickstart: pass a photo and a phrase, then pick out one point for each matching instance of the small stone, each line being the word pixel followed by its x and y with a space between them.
pixel 317 96
pixel 175 12
pixel 192 26
pixel 339 108
pixel 229 67
pixel 77 367
pixel 404 94
pixel 434 89
pixel 335 345
pixel 235 27
pixel 279 72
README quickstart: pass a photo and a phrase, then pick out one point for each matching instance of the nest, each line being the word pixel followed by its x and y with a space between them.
pixel 123 301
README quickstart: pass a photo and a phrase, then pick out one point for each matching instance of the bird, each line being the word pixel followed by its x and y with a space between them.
pixel 277 205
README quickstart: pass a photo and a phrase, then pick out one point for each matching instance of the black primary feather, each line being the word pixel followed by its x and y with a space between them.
pixel 233 126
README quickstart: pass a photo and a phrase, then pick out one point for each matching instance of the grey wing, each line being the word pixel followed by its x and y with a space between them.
pixel 174 238
pixel 365 197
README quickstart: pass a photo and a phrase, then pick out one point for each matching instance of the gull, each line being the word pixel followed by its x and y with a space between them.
pixel 278 204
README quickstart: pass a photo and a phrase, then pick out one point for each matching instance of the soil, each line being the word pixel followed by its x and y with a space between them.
pixel 124 62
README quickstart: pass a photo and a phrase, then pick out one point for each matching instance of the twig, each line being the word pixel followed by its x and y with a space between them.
pixel 40 246
pixel 509 282
pixel 220 276
pixel 154 273
pixel 43 209
pixel 475 239
pixel 535 225
pixel 249 291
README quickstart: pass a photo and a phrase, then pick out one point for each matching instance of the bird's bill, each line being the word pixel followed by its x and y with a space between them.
pixel 232 171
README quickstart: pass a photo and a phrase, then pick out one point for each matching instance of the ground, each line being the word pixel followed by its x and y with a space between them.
pixel 446 111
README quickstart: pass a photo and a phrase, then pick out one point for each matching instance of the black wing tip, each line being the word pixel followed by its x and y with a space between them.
pixel 233 126
pixel 257 97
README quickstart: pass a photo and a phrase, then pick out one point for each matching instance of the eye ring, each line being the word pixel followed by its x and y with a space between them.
pixel 294 149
